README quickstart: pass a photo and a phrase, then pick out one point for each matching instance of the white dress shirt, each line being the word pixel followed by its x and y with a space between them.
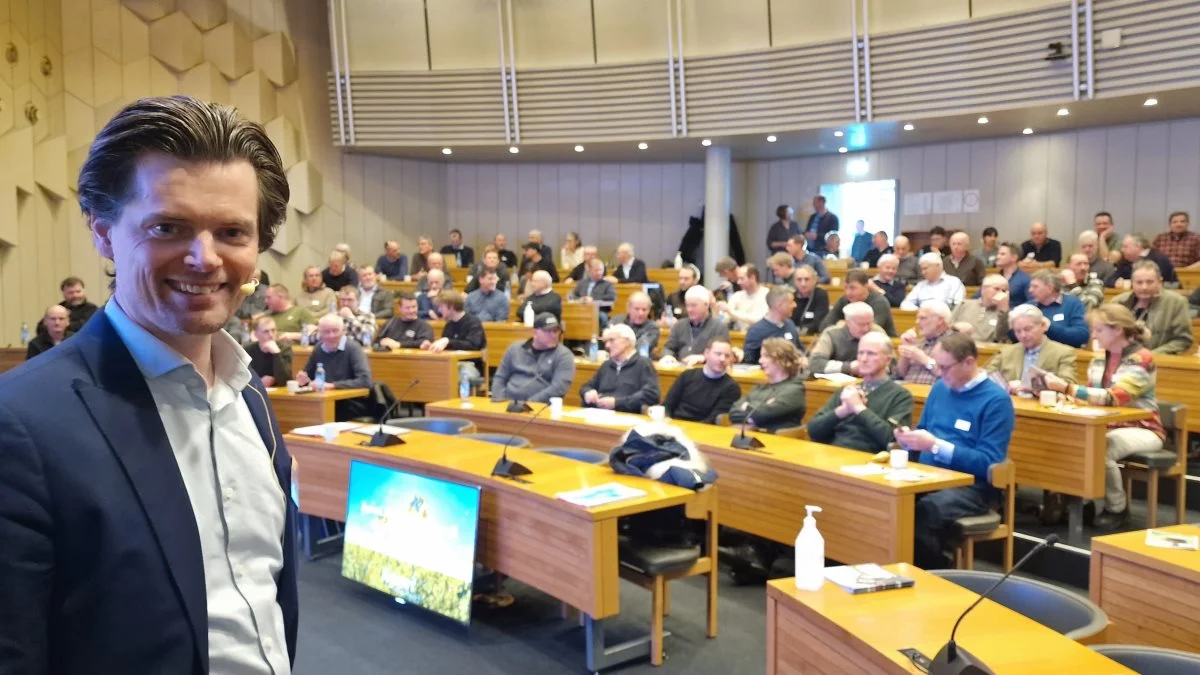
pixel 239 507
pixel 365 296
pixel 949 289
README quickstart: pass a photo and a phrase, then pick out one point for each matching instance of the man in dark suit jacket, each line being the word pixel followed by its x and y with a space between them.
pixel 629 270
pixel 464 256
pixel 144 512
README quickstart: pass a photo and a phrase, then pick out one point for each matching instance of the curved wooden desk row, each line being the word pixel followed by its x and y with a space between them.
pixel 438 373
pixel 865 518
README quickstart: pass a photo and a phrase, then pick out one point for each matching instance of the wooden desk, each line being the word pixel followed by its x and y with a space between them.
pixel 904 319
pixel 397 286
pixel 585 369
pixel 500 336
pixel 580 320
pixel 303 410
pixel 865 518
pixel 438 372
pixel 1177 382
pixel 667 277
pixel 565 551
pixel 1151 595
pixel 1188 278
pixel 832 631
pixel 11 357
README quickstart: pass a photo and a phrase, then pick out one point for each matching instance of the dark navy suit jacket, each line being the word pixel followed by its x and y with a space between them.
pixel 100 564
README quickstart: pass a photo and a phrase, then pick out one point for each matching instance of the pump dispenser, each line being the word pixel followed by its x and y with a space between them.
pixel 810 554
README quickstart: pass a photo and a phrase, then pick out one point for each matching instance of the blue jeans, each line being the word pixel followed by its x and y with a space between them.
pixel 936 513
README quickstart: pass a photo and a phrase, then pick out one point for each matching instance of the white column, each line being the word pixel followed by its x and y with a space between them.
pixel 717 171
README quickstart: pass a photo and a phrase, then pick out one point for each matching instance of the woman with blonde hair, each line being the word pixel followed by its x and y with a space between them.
pixel 780 402
pixel 1124 375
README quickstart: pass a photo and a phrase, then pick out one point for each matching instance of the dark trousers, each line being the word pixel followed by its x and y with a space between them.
pixel 936 513
pixel 353 407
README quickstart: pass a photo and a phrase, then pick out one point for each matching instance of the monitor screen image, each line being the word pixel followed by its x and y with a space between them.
pixel 412 537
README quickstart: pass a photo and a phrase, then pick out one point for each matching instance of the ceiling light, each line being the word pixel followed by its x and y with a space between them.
pixel 982 119
pixel 1150 101
pixel 447 151
pixel 514 149
pixel 838 134
pixel 909 127
pixel 1027 131
pixel 771 139
pixel 579 148
pixel 843 149
pixel 706 142
pixel 643 146
pixel 1063 112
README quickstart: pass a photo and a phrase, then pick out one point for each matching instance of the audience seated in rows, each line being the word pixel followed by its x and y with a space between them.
pixel 315 296
pixel 462 255
pixel 571 253
pixel 346 366
pixel 339 273
pixel 1081 282
pixel 961 263
pixel 675 308
pixel 908 269
pixel 1033 349
pixel 1109 240
pixel 406 330
pixel 506 256
pixel 782 268
pixel 1135 248
pixel 56 322
pixel 537 369
pixel 1165 314
pixel 435 261
pixel 858 289
pixel 578 271
pixel 1007 259
pixel 916 363
pixel 727 269
pixel 541 297
pixel 748 305
pixel 687 339
pixel 462 331
pixel 372 297
pixel 796 248
pixel 629 270
pixel 491 262
pixel 937 242
pixel 990 247
pixel 1179 244
pixel 637 316
pixel 419 265
pixel 626 381
pixel 780 401
pixel 290 320
pixel 594 289
pixel 984 319
pixel 705 393
pixel 534 262
pixel 777 323
pixel 392 264
pixel 935 285
pixel 837 347
pixel 879 248
pixel 887 281
pixel 435 283
pixel 360 325
pixel 269 359
pixel 1040 247
pixel 75 301
pixel 861 416
pixel 486 302
pixel 812 301
pixel 833 246
pixel 1089 245
pixel 1067 316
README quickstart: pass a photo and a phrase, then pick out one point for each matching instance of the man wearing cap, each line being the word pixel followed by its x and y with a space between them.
pixel 625 381
pixel 539 368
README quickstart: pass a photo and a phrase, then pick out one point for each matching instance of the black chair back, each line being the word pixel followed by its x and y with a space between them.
pixel 1061 610
pixel 1152 660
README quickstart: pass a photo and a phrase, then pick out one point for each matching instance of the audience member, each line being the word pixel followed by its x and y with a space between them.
pixel 345 364
pixel 486 302
pixel 625 381
pixel 637 316
pixel 916 362
pixel 1068 318
pixel 1135 248
pixel 462 331
pixel 571 253
pixel 836 349
pixel 491 262
pixel 406 330
pixel 589 253
pixel 506 256
pixel 888 281
pixel 1098 264
pixel 1164 314
pixel 1032 350
pixel 1007 259
pixel 462 255
pixel 535 237
pixel 534 262
pixel 688 276
pixel 435 283
pixel 961 263
pixel 965 426
pixel 419 265
pixel 316 296
pixel 782 229
pixel 1081 282
pixel 858 289
pixel 392 264
pixel 862 242
pixel 782 266
pixel 269 359
pixel 435 261
pixel 76 302
pixel 629 269
pixel 989 250
pixel 542 296
pixel 596 290
pixel 937 242
pixel 861 416
pixel 833 246
pixel 56 321
pixel 749 305
pixel 776 323
pixel 879 248
pixel 290 321
pixel 344 248
pixel 727 269
pixel 800 256
pixel 984 319
pixel 820 223
pixel 780 402
pixel 1040 248
pixel 360 325
pixel 1125 375
pixel 339 273
pixel 936 285
pixel 705 393
pixel 1110 241
pixel 908 269
pixel 537 369
pixel 812 301
pixel 687 339
pixel 1179 244
pixel 372 297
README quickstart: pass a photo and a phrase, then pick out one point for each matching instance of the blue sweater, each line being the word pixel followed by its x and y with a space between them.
pixel 1068 321
pixel 1018 289
pixel 978 422
pixel 764 329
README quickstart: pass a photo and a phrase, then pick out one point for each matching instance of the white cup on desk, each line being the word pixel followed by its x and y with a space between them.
pixel 555 407
pixel 293 386
pixel 657 413
pixel 1048 398
pixel 330 432
pixel 898 459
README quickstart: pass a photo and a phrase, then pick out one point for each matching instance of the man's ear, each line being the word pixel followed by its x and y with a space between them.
pixel 101 236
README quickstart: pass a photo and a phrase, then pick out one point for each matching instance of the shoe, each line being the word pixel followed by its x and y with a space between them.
pixel 1111 521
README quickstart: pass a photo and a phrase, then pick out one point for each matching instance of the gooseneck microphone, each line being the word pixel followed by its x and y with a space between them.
pixel 742 441
pixel 506 468
pixel 954 661
pixel 383 440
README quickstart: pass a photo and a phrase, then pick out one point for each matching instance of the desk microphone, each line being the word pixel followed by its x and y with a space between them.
pixel 506 468
pixel 383 440
pixel 742 441
pixel 954 661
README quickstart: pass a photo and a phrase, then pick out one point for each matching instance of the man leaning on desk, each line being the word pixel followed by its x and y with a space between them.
pixel 346 367
pixel 965 426
pixel 626 381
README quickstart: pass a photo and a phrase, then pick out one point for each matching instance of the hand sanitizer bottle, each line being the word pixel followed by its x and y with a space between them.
pixel 810 554
pixel 678 260
pixel 529 315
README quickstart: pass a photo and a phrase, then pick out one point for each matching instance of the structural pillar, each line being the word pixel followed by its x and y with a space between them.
pixel 717 171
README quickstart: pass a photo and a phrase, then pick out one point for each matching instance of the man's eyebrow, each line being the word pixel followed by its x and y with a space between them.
pixel 180 218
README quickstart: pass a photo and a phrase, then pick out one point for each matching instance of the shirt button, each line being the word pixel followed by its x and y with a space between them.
pixel 229 494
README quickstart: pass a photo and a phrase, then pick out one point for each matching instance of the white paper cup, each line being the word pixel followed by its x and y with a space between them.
pixel 1048 398
pixel 898 459
pixel 293 386
pixel 556 405
pixel 330 433
pixel 657 413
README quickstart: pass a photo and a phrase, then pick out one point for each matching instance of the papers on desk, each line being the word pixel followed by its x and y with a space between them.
pixel 1086 412
pixel 605 417
pixel 601 494
pixel 866 578
pixel 323 430
pixel 909 475
pixel 836 378
pixel 1179 542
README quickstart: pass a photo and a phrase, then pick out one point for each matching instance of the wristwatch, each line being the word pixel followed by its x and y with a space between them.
pixel 930 366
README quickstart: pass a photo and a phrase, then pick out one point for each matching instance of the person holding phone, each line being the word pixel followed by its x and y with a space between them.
pixel 1023 365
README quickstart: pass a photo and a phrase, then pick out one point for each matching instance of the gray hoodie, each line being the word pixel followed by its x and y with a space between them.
pixel 526 374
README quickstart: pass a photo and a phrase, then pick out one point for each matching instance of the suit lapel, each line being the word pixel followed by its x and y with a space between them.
pixel 122 407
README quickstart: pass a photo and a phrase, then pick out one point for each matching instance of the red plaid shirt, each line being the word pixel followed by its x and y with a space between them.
pixel 1182 249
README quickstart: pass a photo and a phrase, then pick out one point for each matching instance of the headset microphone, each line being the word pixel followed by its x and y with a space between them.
pixel 249 287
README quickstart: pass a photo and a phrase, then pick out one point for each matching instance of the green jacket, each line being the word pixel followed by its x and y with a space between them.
pixel 1169 321
pixel 772 406
pixel 1054 357
pixel 868 430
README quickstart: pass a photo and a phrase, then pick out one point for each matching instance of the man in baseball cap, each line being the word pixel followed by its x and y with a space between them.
pixel 539 368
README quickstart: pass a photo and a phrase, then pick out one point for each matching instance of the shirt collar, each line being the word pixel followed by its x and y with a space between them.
pixel 341 347
pixel 973 382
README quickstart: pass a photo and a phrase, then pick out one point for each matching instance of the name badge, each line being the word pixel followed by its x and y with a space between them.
pixel 992 322
pixel 962 425
pixel 410 333
pixel 787 336
pixel 1059 317
pixel 809 315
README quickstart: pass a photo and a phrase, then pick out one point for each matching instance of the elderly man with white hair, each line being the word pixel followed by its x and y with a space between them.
pixel 637 317
pixel 580 271
pixel 935 286
pixel 541 296
pixel 1021 362
pixel 857 415
pixel 836 350
pixel 916 362
pixel 985 319
pixel 435 261
pixel 888 282
pixel 345 363
pixel 629 270
pixel 960 262
pixel 435 283
pixel 908 270
pixel 626 381
pixel 687 339
pixel 1089 245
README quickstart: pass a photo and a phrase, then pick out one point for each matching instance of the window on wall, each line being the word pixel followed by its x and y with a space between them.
pixel 871 201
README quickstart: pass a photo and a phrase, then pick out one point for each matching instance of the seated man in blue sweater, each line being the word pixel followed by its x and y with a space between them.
pixel 345 364
pixel 781 302
pixel 1067 315
pixel 966 426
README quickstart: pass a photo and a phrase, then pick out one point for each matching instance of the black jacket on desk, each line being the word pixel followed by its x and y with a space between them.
pixel 547 302
pixel 465 334
pixel 100 567
pixel 637 273
pixel 633 383
pixel 811 311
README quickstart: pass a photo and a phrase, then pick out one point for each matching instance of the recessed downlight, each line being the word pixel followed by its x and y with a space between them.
pixel 909 127
pixel 771 139
pixel 838 134
pixel 579 148
pixel 1063 112
pixel 982 119
pixel 843 149
pixel 1027 131
pixel 1151 102
pixel 447 151
pixel 706 142
pixel 643 146
pixel 514 149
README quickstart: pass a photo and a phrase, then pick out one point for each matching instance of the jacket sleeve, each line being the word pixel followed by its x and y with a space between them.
pixel 637 273
pixel 787 407
pixel 1177 333
pixel 607 296
pixel 500 378
pixel 590 385
pixel 895 294
pixel 1064 366
pixel 674 340
pixel 674 395
pixel 473 340
pixel 822 425
pixel 27 556
pixel 647 394
pixel 752 346
pixel 821 353
pixel 564 374
pixel 876 425
pixel 383 304
pixel 283 365
pixel 1073 329
pixel 821 270
pixel 834 315
pixel 910 301
pixel 725 400
pixel 360 370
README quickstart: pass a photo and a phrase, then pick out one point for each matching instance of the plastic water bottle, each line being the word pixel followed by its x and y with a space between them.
pixel 24 333
pixel 593 349
pixel 464 385
pixel 678 260
pixel 529 315
pixel 304 329
pixel 810 554
pixel 319 380
pixel 644 347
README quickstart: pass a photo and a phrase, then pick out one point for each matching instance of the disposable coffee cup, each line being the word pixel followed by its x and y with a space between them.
pixel 556 406
pixel 293 386
pixel 898 459
pixel 1048 398
pixel 657 413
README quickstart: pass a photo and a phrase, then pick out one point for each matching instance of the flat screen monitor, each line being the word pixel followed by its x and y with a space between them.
pixel 412 537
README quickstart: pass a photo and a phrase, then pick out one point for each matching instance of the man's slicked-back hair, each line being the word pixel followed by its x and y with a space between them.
pixel 189 130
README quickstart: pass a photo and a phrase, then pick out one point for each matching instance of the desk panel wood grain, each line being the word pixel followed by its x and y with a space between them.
pixel 11 357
